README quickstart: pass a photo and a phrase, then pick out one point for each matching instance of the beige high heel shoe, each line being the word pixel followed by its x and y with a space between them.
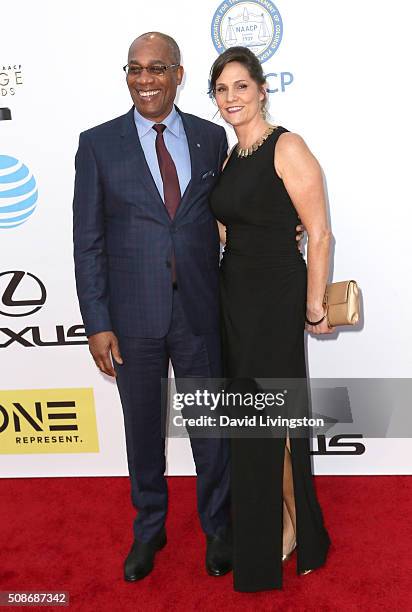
pixel 289 554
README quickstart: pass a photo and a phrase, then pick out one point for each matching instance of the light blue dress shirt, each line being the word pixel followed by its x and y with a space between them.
pixel 176 143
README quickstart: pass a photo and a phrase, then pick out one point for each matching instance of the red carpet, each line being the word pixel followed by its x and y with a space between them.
pixel 72 534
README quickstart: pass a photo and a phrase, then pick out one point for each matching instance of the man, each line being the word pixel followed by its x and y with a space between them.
pixel 146 251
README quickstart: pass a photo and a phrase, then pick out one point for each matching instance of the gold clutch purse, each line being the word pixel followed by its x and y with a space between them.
pixel 342 303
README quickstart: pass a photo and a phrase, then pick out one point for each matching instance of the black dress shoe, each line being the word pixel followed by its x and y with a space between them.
pixel 219 554
pixel 139 561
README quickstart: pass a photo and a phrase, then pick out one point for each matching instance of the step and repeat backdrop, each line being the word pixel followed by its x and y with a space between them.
pixel 335 74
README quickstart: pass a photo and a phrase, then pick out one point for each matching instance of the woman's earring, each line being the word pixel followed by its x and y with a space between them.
pixel 263 109
pixel 263 103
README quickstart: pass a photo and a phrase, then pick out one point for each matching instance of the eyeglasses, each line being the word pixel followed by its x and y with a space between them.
pixel 154 70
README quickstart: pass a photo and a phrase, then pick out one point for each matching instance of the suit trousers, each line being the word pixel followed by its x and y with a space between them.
pixel 146 362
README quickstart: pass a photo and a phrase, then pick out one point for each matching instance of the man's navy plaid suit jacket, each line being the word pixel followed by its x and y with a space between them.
pixel 123 235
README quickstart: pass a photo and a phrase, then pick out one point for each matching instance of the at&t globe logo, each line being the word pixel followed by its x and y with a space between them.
pixel 18 192
pixel 256 24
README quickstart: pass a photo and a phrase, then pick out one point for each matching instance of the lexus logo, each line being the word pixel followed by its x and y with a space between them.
pixel 22 293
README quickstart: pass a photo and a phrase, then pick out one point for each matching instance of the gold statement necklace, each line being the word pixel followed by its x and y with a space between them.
pixel 249 150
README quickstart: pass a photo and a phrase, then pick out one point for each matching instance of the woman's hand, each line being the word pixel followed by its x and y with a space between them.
pixel 321 328
pixel 222 232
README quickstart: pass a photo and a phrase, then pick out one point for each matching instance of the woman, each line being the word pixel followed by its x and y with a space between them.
pixel 270 183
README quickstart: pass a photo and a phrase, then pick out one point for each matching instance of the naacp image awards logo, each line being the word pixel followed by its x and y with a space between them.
pixel 256 25
pixel 11 79
pixel 18 192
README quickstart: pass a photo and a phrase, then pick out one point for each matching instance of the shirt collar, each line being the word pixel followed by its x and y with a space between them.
pixel 172 122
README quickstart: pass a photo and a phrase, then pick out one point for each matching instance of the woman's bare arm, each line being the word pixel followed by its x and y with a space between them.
pixel 302 177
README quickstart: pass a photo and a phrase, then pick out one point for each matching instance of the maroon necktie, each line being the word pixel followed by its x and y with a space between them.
pixel 171 187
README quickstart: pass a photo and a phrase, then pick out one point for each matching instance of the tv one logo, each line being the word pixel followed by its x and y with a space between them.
pixel 43 415
pixel 47 421
pixel 23 294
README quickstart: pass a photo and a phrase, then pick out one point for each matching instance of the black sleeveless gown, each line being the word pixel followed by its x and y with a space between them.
pixel 263 302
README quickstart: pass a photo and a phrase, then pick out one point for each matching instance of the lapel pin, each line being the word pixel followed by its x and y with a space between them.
pixel 198 144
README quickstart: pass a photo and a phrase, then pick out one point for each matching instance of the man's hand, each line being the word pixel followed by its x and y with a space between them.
pixel 300 234
pixel 104 347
